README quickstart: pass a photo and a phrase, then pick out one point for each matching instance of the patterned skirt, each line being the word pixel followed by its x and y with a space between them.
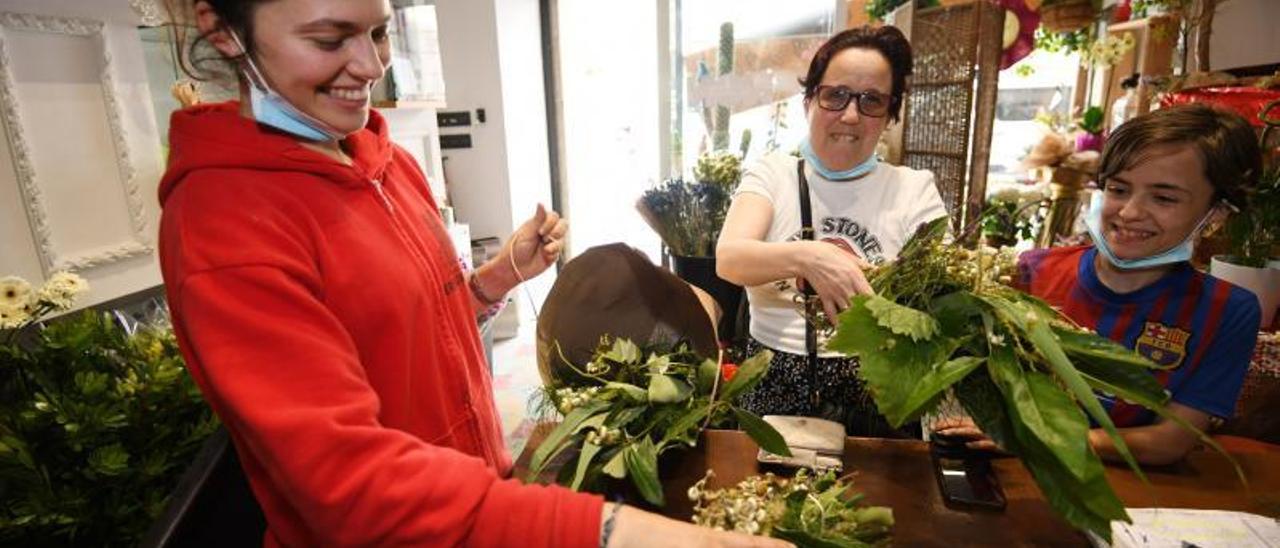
pixel 788 387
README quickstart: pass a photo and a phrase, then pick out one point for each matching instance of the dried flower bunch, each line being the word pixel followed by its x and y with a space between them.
pixel 944 319
pixel 631 404
pixel 688 216
pixel 807 510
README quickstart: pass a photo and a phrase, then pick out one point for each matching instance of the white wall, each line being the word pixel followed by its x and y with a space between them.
pixel 1244 34
pixel 523 106
pixel 87 204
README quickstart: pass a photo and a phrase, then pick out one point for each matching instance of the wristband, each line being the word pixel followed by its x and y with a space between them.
pixel 473 282
pixel 607 529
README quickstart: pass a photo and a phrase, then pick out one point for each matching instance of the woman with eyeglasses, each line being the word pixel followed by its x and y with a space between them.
pixel 1167 177
pixel 801 231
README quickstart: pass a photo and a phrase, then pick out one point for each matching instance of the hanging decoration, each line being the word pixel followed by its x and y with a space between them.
pixel 1020 22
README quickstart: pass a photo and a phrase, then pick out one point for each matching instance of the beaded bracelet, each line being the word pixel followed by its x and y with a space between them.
pixel 607 529
pixel 473 282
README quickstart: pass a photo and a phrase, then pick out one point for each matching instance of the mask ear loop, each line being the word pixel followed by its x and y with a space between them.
pixel 255 77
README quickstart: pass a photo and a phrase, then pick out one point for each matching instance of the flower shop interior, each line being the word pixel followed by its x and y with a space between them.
pixel 624 370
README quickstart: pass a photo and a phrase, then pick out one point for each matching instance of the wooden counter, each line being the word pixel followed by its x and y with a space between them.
pixel 899 474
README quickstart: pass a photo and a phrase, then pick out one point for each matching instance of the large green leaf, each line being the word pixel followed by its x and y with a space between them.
pixel 762 432
pixel 892 365
pixel 902 320
pixel 982 400
pixel 641 459
pixel 589 452
pixel 708 375
pixel 956 311
pixel 614 465
pixel 1088 502
pixel 668 389
pixel 685 429
pixel 750 372
pixel 623 351
pixel 806 539
pixel 1035 329
pixel 630 391
pixel 1041 410
pixel 554 443
pixel 934 383
pixel 1088 346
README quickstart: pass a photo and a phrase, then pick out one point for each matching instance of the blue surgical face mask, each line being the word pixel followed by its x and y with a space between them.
pixel 1176 254
pixel 806 150
pixel 272 109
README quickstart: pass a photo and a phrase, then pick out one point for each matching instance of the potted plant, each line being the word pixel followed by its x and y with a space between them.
pixel 1008 217
pixel 1067 15
pixel 1253 233
pixel 688 217
pixel 1090 134
pixel 96 422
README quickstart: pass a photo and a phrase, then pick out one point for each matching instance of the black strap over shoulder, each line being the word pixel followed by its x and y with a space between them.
pixel 810 333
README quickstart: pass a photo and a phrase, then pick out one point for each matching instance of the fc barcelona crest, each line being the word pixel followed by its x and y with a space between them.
pixel 1163 344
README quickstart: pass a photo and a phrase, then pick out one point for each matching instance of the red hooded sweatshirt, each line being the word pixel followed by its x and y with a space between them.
pixel 322 311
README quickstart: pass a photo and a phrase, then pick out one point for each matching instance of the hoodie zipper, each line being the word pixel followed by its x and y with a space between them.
pixel 377 187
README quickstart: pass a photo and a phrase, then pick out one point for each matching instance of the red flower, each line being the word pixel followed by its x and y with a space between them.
pixel 728 370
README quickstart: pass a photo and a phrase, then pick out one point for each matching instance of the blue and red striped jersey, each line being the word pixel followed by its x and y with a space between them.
pixel 1205 328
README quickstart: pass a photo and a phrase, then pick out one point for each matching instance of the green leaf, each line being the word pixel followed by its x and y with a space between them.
pixel 641 459
pixel 624 351
pixel 668 389
pixel 629 391
pixel 1087 503
pixel 902 320
pixel 615 467
pixel 686 429
pixel 1036 330
pixel 589 451
pixel 111 460
pixel 708 375
pixel 934 383
pixel 554 443
pixel 762 432
pixel 800 537
pixel 750 372
pixel 956 311
pixel 983 402
pixel 892 365
pixel 1041 410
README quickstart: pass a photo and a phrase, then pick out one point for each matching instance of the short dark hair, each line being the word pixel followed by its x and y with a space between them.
pixel 887 40
pixel 1224 139
pixel 194 57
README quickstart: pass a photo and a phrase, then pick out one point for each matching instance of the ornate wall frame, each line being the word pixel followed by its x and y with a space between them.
pixel 52 259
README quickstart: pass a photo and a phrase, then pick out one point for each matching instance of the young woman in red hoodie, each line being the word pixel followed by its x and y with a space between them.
pixel 320 307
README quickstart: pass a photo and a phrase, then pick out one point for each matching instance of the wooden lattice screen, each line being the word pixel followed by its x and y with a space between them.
pixel 948 114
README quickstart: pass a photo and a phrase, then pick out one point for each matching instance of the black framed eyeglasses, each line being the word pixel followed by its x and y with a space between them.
pixel 870 103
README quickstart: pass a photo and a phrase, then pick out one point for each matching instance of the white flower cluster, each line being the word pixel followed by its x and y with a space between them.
pixel 598 367
pixel 569 399
pixel 604 436
pixel 20 304
pixel 752 507
pixel 993 265
pixel 1107 51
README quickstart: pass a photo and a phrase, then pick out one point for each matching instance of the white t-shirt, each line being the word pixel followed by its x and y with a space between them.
pixel 872 216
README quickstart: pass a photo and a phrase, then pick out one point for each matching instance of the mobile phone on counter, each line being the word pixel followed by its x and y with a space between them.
pixel 968 483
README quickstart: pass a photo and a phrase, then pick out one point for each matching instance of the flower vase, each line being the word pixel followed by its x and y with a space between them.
pixel 701 272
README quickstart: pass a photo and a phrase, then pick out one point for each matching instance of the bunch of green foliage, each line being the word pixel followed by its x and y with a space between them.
pixel 96 426
pixel 942 318
pixel 807 510
pixel 1254 231
pixel 878 9
pixel 1064 42
pixel 719 168
pixel 632 404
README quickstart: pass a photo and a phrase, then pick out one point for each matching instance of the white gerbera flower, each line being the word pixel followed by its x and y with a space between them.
pixel 15 294
pixel 11 318
pixel 62 289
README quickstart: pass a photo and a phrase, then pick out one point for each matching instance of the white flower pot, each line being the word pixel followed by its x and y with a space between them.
pixel 1263 282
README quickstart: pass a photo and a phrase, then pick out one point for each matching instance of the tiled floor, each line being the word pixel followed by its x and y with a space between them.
pixel 515 370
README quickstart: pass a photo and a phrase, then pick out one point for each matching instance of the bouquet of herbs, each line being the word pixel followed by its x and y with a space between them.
pixel 807 510
pixel 688 216
pixel 96 423
pixel 634 403
pixel 944 318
